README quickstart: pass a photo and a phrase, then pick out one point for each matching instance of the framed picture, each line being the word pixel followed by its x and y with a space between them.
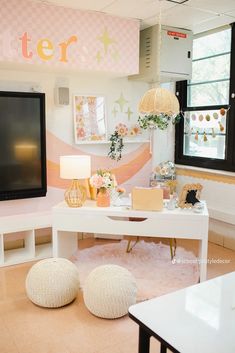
pixel 190 195
pixel 89 119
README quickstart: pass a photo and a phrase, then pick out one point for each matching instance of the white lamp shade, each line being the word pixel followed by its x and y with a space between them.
pixel 75 167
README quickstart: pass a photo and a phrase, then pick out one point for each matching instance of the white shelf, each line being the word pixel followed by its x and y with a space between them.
pixel 17 256
pixel 136 141
pixel 108 142
pixel 43 251
pixel 27 228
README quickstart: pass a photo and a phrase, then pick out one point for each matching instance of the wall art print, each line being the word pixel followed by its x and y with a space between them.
pixel 89 119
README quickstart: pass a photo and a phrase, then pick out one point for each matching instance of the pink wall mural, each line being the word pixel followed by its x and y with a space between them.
pixel 54 36
pixel 133 169
pixel 131 163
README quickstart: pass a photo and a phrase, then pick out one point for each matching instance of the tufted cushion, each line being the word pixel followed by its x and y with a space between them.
pixel 109 291
pixel 52 283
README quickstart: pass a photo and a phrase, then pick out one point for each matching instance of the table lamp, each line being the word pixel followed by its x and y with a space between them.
pixel 74 168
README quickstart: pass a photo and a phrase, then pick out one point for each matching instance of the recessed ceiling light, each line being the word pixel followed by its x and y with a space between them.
pixel 178 1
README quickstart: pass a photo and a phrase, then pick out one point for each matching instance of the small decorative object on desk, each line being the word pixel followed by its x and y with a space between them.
pixel 164 177
pixel 190 195
pixel 165 170
pixel 103 181
pixel 171 203
pixel 116 194
pixel 198 207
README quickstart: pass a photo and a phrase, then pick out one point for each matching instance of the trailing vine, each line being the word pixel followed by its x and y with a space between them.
pixel 116 146
pixel 160 121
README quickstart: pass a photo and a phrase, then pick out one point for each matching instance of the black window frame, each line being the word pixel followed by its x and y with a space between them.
pixel 227 164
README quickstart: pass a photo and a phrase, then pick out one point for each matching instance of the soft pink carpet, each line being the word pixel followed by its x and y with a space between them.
pixel 150 263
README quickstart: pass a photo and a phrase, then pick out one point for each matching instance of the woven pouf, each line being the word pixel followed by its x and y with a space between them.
pixel 109 291
pixel 52 283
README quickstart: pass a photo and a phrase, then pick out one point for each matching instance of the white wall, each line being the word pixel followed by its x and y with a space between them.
pixel 163 141
pixel 220 198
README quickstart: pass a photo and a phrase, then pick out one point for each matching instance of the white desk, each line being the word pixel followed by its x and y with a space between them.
pixel 198 319
pixel 115 220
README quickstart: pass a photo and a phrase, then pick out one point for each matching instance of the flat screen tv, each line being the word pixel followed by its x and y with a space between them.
pixel 22 145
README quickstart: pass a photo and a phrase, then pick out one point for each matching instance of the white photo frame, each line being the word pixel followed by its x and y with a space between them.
pixel 90 125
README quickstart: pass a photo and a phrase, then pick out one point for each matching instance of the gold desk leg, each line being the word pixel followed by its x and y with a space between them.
pixel 175 245
pixel 171 247
pixel 129 247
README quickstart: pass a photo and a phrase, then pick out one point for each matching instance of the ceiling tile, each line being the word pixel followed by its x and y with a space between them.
pixel 197 15
pixel 231 13
pixel 185 17
pixel 215 6
pixel 141 9
pixel 214 22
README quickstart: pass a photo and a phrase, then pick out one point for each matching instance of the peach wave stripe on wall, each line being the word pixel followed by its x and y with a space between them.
pixel 123 172
pixel 127 171
pixel 57 147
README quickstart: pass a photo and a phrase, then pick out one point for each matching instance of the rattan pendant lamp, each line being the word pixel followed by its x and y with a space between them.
pixel 159 100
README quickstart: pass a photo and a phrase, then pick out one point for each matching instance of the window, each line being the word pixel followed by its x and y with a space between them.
pixel 205 136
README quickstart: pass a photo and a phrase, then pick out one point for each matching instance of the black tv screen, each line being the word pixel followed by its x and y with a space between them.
pixel 22 145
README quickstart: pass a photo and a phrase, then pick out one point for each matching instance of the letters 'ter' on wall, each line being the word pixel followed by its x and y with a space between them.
pixel 37 33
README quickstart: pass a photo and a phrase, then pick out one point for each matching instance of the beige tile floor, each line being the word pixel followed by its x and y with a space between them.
pixel 26 328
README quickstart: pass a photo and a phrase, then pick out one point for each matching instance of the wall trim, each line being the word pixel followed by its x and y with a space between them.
pixel 222 216
pixel 221 178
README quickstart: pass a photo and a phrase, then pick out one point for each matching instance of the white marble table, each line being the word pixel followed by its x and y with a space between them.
pixel 198 319
pixel 178 223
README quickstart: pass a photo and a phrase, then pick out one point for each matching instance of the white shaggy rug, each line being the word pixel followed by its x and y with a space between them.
pixel 150 263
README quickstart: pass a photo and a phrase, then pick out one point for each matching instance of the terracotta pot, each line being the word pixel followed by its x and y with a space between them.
pixel 103 198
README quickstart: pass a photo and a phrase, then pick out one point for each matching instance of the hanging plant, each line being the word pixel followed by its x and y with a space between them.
pixel 160 121
pixel 116 146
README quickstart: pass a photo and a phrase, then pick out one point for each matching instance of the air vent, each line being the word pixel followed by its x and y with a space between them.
pixel 148 52
pixel 175 55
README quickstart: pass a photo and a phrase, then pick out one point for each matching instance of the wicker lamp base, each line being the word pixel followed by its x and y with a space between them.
pixel 75 195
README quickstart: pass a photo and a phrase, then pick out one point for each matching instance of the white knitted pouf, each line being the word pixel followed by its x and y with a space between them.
pixel 109 291
pixel 52 283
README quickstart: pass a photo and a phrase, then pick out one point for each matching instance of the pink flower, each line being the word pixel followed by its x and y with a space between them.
pixel 122 129
pixel 103 179
pixel 96 181
pixel 80 132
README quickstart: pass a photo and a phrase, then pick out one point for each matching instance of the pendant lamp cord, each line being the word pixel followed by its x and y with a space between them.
pixel 157 83
pixel 159 43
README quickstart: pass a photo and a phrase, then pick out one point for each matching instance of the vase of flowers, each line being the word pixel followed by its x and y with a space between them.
pixel 103 198
pixel 103 181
